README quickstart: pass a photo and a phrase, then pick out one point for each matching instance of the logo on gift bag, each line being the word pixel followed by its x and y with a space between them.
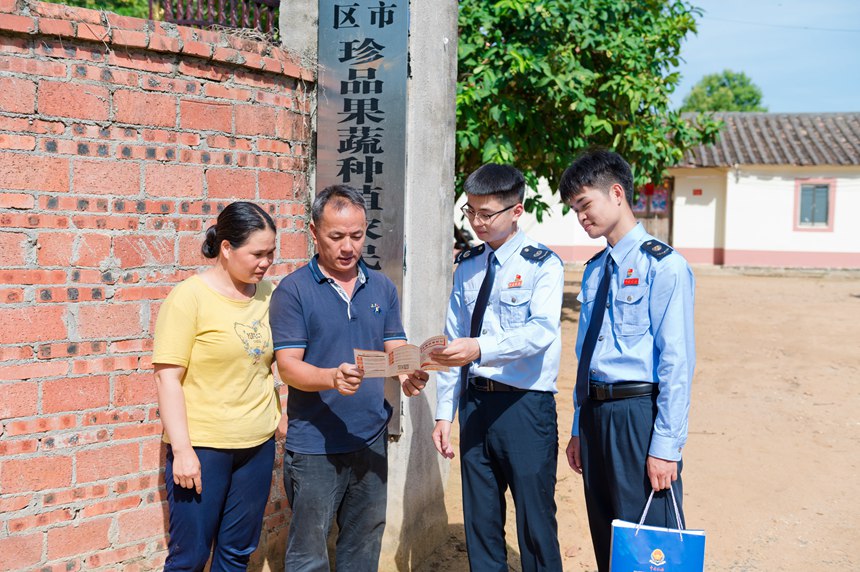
pixel 657 557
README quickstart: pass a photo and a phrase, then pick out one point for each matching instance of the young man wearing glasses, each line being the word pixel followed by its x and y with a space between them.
pixel 504 321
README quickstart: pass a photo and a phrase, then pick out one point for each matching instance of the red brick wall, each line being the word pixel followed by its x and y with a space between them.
pixel 119 141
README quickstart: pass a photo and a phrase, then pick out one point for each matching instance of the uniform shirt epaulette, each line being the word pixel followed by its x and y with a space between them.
pixel 474 251
pixel 595 257
pixel 656 248
pixel 535 254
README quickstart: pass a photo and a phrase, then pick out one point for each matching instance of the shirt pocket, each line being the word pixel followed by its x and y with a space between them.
pixel 631 305
pixel 514 307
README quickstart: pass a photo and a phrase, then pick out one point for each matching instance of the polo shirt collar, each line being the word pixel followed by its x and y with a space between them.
pixel 623 247
pixel 322 278
pixel 510 247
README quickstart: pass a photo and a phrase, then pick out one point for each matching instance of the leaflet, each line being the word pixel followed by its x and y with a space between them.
pixel 404 359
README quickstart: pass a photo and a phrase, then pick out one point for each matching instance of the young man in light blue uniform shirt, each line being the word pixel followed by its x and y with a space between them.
pixel 504 353
pixel 636 349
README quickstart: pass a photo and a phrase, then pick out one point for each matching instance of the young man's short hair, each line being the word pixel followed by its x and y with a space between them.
pixel 598 169
pixel 504 181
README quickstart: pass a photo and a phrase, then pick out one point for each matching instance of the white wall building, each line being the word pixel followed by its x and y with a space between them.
pixel 779 190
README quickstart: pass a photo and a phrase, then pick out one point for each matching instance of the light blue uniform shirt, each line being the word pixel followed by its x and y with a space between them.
pixel 521 335
pixel 647 334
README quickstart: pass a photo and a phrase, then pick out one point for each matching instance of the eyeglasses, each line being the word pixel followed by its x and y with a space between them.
pixel 482 218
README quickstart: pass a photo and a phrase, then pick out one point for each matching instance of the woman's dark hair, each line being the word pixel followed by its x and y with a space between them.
pixel 235 224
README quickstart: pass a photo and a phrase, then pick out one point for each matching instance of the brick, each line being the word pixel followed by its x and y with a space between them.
pixel 36 474
pixel 173 181
pixel 205 115
pixel 106 177
pixel 10 447
pixel 255 120
pixel 231 184
pixel 16 173
pixel 12 504
pixel 171 85
pixel 291 126
pixel 55 248
pixel 61 11
pixel 108 320
pixel 108 557
pixel 110 506
pixel 153 455
pixel 222 142
pixel 16 200
pixel 273 146
pixel 14 353
pixel 11 296
pixel 75 203
pixel 39 520
pixel 40 425
pixel 93 248
pixel 76 494
pixel 18 399
pixel 106 222
pixel 198 49
pixel 162 43
pixel 201 69
pixel 142 250
pixel 137 345
pixel 32 324
pixel 17 142
pixel 104 74
pixel 27 125
pixel 8 6
pixel 17 95
pixel 74 394
pixel 220 91
pixel 67 440
pixel 31 220
pixel 145 522
pixel 137 431
pixel 32 67
pixel 93 32
pixel 88 536
pixel 74 100
pixel 161 136
pixel 19 24
pixel 118 23
pixel 13 248
pixel 104 365
pixel 140 61
pixel 294 246
pixel 54 27
pixel 145 292
pixel 141 108
pixel 276 186
pixel 20 551
pixel 70 349
pixel 144 207
pixel 134 389
pixel 106 462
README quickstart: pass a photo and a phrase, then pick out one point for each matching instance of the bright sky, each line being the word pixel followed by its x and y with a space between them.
pixel 804 55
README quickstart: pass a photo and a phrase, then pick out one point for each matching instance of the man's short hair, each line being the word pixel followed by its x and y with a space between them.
pixel 504 181
pixel 341 195
pixel 599 169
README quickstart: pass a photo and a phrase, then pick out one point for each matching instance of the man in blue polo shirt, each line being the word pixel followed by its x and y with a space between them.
pixel 335 462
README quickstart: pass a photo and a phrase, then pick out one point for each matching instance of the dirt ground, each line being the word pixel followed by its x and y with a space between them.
pixel 771 464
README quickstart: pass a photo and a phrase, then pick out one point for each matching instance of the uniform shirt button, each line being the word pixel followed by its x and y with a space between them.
pixel 607 304
pixel 484 331
pixel 599 338
pixel 629 298
pixel 594 371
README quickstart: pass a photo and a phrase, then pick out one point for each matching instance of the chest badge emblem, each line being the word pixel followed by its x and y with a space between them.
pixel 375 308
pixel 517 283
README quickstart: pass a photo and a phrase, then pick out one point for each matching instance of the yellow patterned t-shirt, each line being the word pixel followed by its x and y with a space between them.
pixel 225 346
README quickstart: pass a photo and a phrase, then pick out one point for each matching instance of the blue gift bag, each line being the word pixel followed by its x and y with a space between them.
pixel 642 548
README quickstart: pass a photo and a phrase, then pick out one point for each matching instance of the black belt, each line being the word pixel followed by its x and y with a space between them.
pixel 486 384
pixel 601 391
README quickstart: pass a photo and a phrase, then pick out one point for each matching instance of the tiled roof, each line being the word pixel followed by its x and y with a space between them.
pixel 781 139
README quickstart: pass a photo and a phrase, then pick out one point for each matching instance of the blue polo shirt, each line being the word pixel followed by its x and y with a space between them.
pixel 308 312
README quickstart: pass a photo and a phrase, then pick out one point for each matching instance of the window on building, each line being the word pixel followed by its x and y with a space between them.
pixel 814 204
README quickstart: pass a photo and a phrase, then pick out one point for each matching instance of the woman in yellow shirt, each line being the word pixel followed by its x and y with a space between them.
pixel 216 396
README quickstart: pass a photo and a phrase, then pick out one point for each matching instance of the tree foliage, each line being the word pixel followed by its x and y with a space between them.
pixel 540 81
pixel 726 91
pixel 133 8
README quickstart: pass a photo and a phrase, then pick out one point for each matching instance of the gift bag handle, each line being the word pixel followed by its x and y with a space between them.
pixel 674 504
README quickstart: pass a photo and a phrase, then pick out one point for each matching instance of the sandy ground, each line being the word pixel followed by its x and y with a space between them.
pixel 771 464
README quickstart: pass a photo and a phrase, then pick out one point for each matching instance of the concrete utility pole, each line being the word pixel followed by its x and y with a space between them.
pixel 417 521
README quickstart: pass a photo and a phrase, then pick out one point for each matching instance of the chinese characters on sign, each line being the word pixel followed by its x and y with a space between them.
pixel 361 123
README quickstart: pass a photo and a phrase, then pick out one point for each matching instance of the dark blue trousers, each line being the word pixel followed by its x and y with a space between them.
pixel 614 439
pixel 228 513
pixel 509 439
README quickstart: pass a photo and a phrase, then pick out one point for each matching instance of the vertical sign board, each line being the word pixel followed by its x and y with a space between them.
pixel 361 123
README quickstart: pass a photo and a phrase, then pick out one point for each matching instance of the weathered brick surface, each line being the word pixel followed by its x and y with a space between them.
pixel 120 141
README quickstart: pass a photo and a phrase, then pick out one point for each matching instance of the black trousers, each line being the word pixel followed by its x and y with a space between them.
pixel 509 439
pixel 614 439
